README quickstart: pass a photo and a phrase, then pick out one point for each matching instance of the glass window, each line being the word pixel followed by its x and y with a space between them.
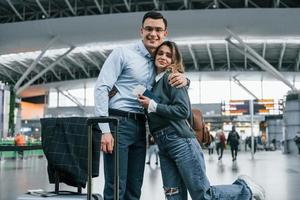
pixel 194 92
pixel 214 91
pixel 274 90
pixel 90 96
pixel 53 98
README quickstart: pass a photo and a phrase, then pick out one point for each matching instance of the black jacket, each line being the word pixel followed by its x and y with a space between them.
pixel 173 108
pixel 233 138
pixel 65 144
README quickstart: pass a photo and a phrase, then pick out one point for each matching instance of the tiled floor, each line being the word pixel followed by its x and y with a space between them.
pixel 279 174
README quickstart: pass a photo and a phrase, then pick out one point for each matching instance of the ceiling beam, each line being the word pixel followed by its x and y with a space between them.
pixel 276 3
pixel 224 4
pixel 4 9
pixel 261 62
pixel 91 60
pixel 102 54
pixel 156 4
pixel 253 4
pixel 26 66
pixel 193 57
pixel 127 4
pixel 11 68
pixel 212 65
pixel 227 56
pixel 235 80
pixel 216 4
pixel 100 7
pixel 246 3
pixel 42 8
pixel 285 5
pixel 245 58
pixel 44 71
pixel 281 56
pixel 264 50
pixel 66 68
pixel 185 3
pixel 52 70
pixel 70 7
pixel 6 74
pixel 15 10
pixel 72 98
pixel 78 65
pixel 34 63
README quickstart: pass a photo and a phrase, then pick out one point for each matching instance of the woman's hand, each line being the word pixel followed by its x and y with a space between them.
pixel 144 101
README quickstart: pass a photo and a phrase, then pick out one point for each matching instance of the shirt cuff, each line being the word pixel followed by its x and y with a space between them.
pixel 152 106
pixel 104 127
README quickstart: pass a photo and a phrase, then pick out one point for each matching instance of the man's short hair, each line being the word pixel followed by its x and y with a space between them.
pixel 155 15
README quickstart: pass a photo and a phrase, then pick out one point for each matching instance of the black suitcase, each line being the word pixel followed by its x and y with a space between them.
pixel 59 195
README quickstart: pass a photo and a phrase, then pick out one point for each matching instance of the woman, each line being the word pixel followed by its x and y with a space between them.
pixel 181 157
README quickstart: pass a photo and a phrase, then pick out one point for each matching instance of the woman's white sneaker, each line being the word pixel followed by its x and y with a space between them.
pixel 258 192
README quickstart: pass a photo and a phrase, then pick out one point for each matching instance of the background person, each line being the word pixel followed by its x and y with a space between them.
pixel 233 140
pixel 152 149
pixel 220 140
pixel 211 146
pixel 297 141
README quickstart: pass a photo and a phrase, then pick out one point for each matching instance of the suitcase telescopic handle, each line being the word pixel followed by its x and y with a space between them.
pixel 92 121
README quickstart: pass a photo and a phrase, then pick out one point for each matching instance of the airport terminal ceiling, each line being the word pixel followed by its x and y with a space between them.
pixel 94 28
pixel 26 10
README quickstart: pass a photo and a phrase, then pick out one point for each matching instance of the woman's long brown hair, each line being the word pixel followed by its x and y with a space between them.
pixel 176 63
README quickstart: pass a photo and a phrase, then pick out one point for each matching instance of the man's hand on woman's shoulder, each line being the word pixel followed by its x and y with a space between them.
pixel 177 80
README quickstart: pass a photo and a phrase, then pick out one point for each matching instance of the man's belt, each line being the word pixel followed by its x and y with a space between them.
pixel 130 115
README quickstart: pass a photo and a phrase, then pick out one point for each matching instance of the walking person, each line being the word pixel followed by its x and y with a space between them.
pixel 297 141
pixel 181 157
pixel 125 68
pixel 249 143
pixel 211 146
pixel 152 149
pixel 220 141
pixel 233 140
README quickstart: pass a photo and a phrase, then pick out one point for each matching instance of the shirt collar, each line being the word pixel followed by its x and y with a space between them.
pixel 141 48
pixel 159 76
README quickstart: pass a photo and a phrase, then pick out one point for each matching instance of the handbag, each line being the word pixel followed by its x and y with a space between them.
pixel 201 131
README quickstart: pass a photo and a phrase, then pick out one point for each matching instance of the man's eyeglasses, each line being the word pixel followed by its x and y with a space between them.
pixel 156 29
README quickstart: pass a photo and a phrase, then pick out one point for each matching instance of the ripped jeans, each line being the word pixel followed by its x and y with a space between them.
pixel 183 169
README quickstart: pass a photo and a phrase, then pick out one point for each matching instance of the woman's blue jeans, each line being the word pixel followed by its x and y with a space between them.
pixel 183 169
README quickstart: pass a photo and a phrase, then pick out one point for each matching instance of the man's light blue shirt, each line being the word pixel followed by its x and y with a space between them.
pixel 125 68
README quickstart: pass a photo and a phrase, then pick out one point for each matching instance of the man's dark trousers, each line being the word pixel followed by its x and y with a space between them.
pixel 132 153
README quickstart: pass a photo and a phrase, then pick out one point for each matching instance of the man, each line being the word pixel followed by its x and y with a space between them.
pixel 233 141
pixel 125 69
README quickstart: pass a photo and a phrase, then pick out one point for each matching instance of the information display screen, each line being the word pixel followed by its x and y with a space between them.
pixel 268 107
pixel 260 107
pixel 235 107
